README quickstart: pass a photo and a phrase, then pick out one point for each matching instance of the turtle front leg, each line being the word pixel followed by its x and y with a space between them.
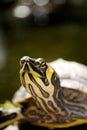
pixel 10 116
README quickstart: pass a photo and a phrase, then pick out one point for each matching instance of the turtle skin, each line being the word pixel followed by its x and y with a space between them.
pixel 72 76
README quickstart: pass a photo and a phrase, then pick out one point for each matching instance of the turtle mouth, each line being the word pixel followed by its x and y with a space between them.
pixel 26 67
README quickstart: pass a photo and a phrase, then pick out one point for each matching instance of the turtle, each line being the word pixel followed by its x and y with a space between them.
pixel 52 94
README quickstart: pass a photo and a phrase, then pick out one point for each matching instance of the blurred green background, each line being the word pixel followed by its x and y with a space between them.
pixel 39 28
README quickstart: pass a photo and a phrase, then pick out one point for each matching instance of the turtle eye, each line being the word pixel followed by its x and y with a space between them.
pixel 37 64
pixel 40 63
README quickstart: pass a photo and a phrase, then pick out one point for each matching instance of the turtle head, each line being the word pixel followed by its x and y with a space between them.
pixel 35 67
pixel 38 77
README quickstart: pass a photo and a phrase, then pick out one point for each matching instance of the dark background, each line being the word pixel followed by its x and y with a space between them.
pixel 51 29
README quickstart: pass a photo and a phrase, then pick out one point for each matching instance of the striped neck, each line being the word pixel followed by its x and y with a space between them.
pixel 45 96
pixel 42 82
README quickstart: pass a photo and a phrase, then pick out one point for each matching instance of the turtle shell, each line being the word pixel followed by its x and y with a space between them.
pixel 72 74
pixel 20 94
